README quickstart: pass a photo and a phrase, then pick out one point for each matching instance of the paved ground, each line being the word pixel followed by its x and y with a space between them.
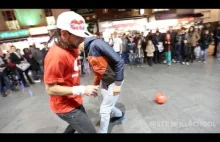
pixel 193 103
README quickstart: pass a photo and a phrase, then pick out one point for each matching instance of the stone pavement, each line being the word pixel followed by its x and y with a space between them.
pixel 193 104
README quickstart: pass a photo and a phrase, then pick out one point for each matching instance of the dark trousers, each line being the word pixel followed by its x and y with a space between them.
pixel 21 75
pixel 157 57
pixel 124 56
pixel 82 66
pixel 173 52
pixel 78 121
pixel 5 83
pixel 35 74
pixel 179 49
pixel 190 54
pixel 215 48
pixel 150 61
pixel 145 55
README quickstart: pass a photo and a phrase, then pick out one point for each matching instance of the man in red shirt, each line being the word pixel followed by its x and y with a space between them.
pixel 62 74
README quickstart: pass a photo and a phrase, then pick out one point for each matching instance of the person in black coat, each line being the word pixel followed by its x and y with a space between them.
pixel 35 66
pixel 157 38
pixel 205 41
pixel 5 83
pixel 16 58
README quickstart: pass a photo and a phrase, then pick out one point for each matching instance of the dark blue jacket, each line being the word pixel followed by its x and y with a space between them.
pixel 105 62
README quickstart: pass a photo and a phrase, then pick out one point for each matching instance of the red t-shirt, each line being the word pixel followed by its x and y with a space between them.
pixel 61 67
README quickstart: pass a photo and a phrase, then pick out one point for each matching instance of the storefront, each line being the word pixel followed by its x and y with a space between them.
pixel 123 26
pixel 162 22
pixel 17 38
pixel 39 36
pixel 162 25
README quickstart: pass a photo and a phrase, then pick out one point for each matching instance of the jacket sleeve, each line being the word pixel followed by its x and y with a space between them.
pixel 107 51
pixel 197 37
pixel 153 48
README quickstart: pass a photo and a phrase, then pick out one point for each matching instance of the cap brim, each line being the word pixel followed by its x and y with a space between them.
pixel 81 33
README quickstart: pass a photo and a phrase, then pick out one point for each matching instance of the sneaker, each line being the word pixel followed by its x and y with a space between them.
pixel 114 119
pixel 183 63
pixel 199 61
pixel 174 61
pixel 37 81
pixel 187 63
pixel 164 61
pixel 6 93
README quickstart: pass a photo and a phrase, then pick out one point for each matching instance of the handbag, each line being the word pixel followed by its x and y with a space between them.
pixel 23 66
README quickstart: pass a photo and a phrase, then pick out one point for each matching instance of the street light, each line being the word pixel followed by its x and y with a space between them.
pixel 142 11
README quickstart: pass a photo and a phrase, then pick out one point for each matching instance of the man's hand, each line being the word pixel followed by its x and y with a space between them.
pixel 116 90
pixel 91 90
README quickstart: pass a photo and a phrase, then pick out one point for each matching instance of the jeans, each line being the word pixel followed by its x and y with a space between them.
pixel 168 57
pixel 5 83
pixel 140 61
pixel 78 121
pixel 203 54
pixel 108 106
pixel 124 56
pixel 179 53
pixel 131 58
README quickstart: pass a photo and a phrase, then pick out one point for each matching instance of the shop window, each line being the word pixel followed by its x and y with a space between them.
pixel 48 12
pixel 10 20
pixel 9 15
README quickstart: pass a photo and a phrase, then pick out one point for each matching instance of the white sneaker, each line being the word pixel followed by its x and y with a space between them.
pixel 37 81
pixel 174 61
pixel 187 63
pixel 164 61
pixel 199 61
pixel 183 63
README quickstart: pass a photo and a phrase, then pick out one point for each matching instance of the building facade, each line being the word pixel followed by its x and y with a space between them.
pixel 210 15
pixel 15 19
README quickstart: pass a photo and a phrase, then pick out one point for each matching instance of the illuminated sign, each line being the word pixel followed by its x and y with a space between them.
pixel 158 10
pixel 51 27
pixel 14 34
pixel 38 30
pixel 122 24
pixel 42 39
